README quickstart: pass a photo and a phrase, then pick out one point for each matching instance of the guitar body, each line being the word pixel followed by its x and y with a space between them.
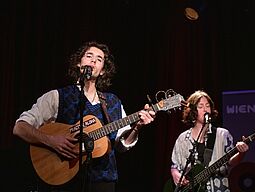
pixel 170 185
pixel 199 187
pixel 54 169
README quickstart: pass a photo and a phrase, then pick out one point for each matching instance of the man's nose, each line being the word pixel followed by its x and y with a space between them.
pixel 93 59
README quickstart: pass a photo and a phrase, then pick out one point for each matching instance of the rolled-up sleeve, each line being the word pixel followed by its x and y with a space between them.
pixel 120 142
pixel 44 110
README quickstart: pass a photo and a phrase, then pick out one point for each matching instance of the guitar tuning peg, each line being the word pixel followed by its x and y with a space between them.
pixel 160 95
pixel 170 93
pixel 169 112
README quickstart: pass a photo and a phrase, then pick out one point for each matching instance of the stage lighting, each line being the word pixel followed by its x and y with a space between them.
pixel 194 8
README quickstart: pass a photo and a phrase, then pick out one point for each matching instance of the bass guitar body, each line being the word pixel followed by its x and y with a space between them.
pixel 199 187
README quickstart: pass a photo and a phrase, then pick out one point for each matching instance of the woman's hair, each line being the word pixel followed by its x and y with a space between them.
pixel 190 114
pixel 103 81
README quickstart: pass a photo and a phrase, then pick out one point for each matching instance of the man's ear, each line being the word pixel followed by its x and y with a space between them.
pixel 78 65
pixel 102 72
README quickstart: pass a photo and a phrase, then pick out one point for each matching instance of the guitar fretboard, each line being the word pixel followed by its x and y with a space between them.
pixel 114 126
pixel 206 173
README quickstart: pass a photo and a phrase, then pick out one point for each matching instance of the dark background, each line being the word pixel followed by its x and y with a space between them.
pixel 156 48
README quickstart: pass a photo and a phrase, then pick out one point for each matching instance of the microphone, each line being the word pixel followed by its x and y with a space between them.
pixel 207 118
pixel 87 72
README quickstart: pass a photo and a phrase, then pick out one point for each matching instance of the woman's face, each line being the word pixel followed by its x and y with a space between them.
pixel 203 107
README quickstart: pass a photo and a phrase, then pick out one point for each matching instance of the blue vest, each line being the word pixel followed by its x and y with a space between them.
pixel 103 169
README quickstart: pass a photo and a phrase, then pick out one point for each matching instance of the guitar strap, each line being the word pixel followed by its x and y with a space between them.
pixel 209 146
pixel 102 100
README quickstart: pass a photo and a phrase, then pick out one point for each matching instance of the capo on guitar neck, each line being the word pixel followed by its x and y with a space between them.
pixel 150 103
pixel 149 99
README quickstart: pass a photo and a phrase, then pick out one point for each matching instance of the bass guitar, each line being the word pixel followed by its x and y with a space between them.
pixel 55 170
pixel 203 174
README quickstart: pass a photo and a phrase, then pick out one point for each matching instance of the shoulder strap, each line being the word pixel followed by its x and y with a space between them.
pixel 209 147
pixel 102 100
pixel 211 138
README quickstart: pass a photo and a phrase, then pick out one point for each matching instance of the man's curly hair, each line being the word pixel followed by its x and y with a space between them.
pixel 190 114
pixel 103 81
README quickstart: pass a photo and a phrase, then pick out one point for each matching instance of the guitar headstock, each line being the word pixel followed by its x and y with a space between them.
pixel 252 137
pixel 249 138
pixel 172 102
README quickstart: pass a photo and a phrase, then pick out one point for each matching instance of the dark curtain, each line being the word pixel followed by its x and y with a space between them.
pixel 156 48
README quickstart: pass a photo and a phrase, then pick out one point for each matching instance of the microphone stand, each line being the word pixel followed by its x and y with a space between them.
pixel 85 142
pixel 190 159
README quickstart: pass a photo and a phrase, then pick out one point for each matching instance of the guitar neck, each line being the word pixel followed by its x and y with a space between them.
pixel 116 125
pixel 206 173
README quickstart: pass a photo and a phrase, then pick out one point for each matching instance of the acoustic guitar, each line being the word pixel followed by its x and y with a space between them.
pixel 56 170
pixel 202 174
